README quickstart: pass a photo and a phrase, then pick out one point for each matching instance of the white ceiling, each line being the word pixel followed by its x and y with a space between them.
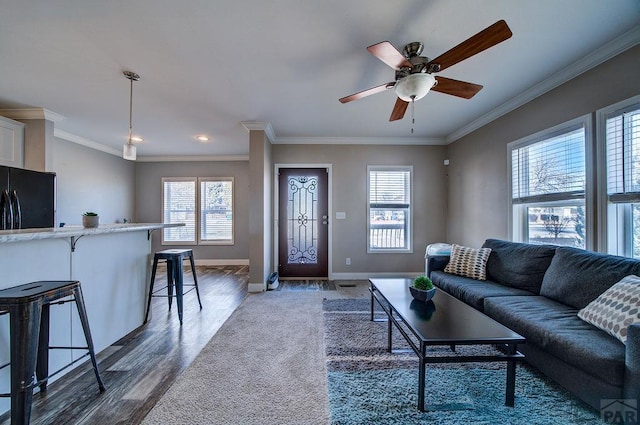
pixel 206 66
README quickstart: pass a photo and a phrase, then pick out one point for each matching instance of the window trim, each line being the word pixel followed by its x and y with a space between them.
pixel 610 238
pixel 162 212
pixel 516 227
pixel 198 213
pixel 199 204
pixel 409 231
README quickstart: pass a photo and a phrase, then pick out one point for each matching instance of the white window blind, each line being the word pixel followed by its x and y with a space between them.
pixel 389 196
pixel 388 187
pixel 550 169
pixel 623 155
pixel 179 206
pixel 216 210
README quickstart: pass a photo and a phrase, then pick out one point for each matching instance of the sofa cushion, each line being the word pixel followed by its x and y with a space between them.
pixel 616 309
pixel 471 291
pixel 468 262
pixel 557 329
pixel 519 265
pixel 576 277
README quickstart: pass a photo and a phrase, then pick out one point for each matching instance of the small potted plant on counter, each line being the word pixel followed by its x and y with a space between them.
pixel 422 288
pixel 90 219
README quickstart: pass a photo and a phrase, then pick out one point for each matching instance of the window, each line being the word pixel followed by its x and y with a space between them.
pixel 216 210
pixel 213 222
pixel 548 186
pixel 389 209
pixel 179 206
pixel 622 145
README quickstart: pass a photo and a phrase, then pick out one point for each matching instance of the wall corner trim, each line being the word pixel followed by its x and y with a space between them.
pixel 260 125
pixel 32 114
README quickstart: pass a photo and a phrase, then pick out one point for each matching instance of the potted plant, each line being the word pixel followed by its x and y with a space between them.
pixel 422 288
pixel 90 219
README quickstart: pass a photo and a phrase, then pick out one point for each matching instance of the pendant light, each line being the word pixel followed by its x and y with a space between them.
pixel 129 149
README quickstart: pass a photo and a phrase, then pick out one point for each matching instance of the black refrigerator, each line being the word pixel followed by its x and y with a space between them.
pixel 27 198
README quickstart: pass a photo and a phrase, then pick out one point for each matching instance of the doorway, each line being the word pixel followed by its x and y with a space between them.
pixel 303 218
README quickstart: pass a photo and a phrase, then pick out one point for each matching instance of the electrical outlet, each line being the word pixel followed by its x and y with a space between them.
pixel 348 261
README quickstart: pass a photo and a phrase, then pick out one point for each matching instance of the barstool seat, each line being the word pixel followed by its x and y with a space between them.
pixel 174 259
pixel 28 308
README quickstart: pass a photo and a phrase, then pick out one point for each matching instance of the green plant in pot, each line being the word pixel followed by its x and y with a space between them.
pixel 422 288
pixel 90 219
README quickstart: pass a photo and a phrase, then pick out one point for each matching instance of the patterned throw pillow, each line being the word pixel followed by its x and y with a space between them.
pixel 616 309
pixel 468 262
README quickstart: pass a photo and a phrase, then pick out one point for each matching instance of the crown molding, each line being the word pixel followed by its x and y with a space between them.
pixel 262 126
pixel 193 158
pixel 61 134
pixel 396 141
pixel 595 58
pixel 32 114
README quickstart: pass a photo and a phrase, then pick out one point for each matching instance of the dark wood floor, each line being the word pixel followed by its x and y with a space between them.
pixel 139 368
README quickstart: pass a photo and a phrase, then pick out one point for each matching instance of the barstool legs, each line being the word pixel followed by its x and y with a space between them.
pixel 175 278
pixel 195 279
pixel 153 279
pixel 82 312
pixel 24 323
pixel 171 274
pixel 42 365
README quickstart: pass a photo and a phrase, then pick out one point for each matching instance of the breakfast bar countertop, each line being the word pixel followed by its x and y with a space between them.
pixel 21 235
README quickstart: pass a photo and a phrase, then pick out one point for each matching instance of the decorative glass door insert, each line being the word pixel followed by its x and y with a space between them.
pixel 303 222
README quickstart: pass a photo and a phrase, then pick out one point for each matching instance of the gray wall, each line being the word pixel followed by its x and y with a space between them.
pixel 478 198
pixel 349 186
pixel 90 180
pixel 148 184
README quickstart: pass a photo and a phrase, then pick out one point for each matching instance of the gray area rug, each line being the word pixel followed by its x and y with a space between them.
pixel 265 365
pixel 367 385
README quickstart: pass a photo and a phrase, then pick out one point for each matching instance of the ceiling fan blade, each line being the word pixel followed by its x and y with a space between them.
pixel 389 55
pixel 486 38
pixel 456 87
pixel 398 110
pixel 367 92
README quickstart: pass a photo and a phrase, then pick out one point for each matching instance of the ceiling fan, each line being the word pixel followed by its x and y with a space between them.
pixel 414 73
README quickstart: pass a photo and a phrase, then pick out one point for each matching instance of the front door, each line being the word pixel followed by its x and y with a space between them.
pixel 303 223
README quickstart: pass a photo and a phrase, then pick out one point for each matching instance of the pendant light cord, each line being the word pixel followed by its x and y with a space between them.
pixel 131 110
pixel 132 76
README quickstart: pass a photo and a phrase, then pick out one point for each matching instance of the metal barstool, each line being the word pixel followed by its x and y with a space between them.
pixel 174 259
pixel 28 308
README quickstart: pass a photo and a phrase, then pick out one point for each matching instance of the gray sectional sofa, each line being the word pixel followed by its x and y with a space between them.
pixel 537 290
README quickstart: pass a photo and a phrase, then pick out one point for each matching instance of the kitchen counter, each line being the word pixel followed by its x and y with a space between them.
pixel 22 235
pixel 112 263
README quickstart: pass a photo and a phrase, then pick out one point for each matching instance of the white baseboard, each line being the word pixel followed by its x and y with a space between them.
pixel 366 276
pixel 256 287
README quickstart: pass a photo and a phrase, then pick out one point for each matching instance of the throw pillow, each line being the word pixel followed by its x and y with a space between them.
pixel 468 262
pixel 519 265
pixel 616 309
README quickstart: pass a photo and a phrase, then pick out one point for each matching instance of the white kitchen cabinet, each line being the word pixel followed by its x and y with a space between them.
pixel 11 143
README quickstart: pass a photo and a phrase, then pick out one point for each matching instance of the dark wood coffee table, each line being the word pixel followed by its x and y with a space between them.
pixel 444 320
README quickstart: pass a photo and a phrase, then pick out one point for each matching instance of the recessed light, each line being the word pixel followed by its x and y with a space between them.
pixel 202 138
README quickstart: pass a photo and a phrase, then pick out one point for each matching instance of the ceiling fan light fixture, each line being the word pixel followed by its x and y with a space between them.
pixel 415 86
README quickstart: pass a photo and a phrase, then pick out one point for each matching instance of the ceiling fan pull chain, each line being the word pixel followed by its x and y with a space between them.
pixel 413 119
